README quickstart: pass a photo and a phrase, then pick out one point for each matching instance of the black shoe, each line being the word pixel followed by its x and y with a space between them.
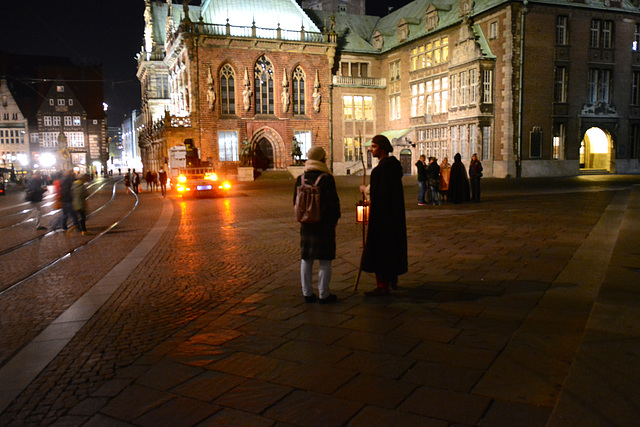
pixel 328 300
pixel 41 228
pixel 311 299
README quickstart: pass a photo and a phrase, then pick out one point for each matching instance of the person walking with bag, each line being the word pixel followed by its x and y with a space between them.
pixel 318 239
pixel 385 252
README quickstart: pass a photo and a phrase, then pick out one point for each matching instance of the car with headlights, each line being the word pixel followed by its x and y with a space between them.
pixel 201 182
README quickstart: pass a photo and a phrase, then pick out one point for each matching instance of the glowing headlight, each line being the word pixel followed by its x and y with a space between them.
pixel 211 176
pixel 182 179
pixel 225 185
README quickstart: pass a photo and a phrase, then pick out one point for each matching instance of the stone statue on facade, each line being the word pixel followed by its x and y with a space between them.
pixel 285 93
pixel 246 93
pixel 211 93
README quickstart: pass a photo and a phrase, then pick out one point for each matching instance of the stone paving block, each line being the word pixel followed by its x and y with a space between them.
pixel 474 338
pixel 511 414
pixel 112 387
pixel 89 406
pixel 371 324
pixel 317 333
pixel 454 355
pixel 313 316
pixel 374 308
pixel 446 377
pixel 253 396
pixel 167 374
pixel 376 391
pixel 452 406
pixel 426 331
pixel 504 314
pixel 269 327
pixel 254 343
pixel 100 420
pixel 233 418
pixel 385 365
pixel 179 412
pixel 372 416
pixel 135 401
pixel 305 408
pixel 379 343
pixel 208 386
pixel 251 366
pixel 276 312
pixel 317 378
pixel 310 353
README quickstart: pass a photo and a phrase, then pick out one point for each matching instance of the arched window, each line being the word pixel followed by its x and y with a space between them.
pixel 227 90
pixel 264 86
pixel 298 91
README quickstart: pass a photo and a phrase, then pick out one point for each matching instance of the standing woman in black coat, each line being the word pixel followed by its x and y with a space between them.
pixel 458 182
pixel 385 252
pixel 318 240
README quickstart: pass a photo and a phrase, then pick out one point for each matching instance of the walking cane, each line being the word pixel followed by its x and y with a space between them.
pixel 365 215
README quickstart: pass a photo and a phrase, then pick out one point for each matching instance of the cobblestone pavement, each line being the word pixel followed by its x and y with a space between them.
pixel 210 327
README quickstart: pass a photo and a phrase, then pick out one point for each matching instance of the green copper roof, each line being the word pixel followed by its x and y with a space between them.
pixel 265 14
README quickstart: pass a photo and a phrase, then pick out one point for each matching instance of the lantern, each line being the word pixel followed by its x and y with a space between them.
pixel 362 212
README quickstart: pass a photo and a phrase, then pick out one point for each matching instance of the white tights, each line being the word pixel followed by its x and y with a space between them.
pixel 324 277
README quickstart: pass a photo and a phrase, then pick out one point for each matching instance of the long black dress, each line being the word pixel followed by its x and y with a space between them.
pixel 458 182
pixel 386 248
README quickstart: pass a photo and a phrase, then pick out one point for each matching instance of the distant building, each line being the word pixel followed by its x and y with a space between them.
pixel 63 104
pixel 14 137
pixel 535 88
pixel 131 128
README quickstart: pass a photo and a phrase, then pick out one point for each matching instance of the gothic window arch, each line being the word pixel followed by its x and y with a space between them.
pixel 227 90
pixel 298 91
pixel 264 86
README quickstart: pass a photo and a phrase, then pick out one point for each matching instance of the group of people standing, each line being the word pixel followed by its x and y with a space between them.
pixel 71 198
pixel 385 249
pixel 448 182
pixel 153 179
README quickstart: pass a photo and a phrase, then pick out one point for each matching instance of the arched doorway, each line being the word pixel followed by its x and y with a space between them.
pixel 405 161
pixel 263 154
pixel 595 150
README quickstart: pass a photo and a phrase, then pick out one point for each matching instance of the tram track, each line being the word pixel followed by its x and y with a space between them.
pixel 25 274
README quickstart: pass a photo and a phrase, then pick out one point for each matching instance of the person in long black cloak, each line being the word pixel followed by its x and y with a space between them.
pixel 458 182
pixel 385 252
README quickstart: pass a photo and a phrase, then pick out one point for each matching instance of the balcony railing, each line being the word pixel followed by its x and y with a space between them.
pixel 360 81
pixel 227 30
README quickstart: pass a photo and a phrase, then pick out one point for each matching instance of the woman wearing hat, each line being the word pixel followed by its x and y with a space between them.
pixel 385 252
pixel 318 240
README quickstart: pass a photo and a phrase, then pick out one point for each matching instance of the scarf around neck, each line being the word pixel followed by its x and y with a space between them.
pixel 316 165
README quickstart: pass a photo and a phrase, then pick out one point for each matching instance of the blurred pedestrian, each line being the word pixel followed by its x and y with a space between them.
pixel 162 177
pixel 66 198
pixel 80 202
pixel 445 175
pixel 135 181
pixel 422 180
pixel 35 190
pixel 433 172
pixel 385 252
pixel 147 178
pixel 127 181
pixel 318 240
pixel 475 173
pixel 154 181
pixel 459 182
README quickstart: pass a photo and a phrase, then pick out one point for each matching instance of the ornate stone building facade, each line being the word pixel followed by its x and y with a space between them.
pixel 536 88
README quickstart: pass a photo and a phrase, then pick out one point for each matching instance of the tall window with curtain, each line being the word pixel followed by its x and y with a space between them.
pixel 298 91
pixel 227 90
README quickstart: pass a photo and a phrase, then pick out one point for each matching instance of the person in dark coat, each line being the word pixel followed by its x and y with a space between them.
pixel 422 180
pixel 458 182
pixel 35 190
pixel 66 197
pixel 385 252
pixel 433 172
pixel 318 240
pixel 475 173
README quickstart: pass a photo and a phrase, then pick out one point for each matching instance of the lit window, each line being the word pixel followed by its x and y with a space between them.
pixel 561 30
pixel 264 92
pixel 60 101
pixel 298 92
pixel 227 90
pixel 304 139
pixel 228 146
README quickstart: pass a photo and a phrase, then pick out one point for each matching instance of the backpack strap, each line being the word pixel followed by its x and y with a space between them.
pixel 319 178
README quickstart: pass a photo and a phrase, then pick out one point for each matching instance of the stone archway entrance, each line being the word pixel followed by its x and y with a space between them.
pixel 263 154
pixel 596 150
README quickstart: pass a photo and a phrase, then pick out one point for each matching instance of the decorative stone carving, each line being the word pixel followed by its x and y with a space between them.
pixel 246 93
pixel 211 93
pixel 317 96
pixel 285 92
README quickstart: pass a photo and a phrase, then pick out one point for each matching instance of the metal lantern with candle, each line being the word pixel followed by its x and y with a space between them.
pixel 362 212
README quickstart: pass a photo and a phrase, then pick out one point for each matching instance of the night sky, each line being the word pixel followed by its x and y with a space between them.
pixel 93 32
